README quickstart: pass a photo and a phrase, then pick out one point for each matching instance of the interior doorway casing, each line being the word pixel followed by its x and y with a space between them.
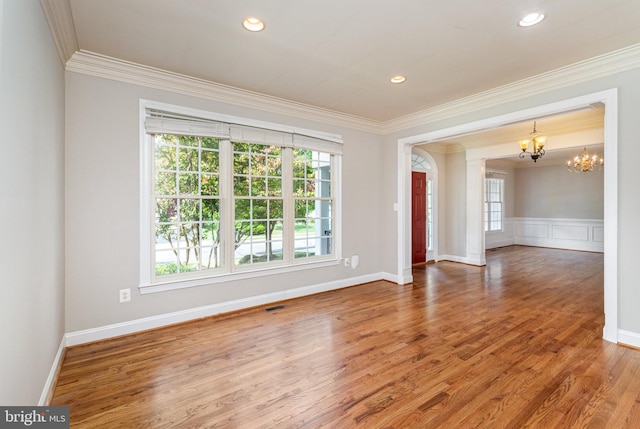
pixel 610 99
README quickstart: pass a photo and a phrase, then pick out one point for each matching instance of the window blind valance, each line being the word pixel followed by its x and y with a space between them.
pixel 241 133
pixel 157 122
pixel 316 144
pixel 163 122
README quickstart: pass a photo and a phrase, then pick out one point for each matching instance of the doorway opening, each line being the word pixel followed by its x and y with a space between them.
pixel 475 235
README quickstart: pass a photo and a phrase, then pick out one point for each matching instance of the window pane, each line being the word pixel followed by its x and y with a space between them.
pixel 210 185
pixel 298 188
pixel 258 186
pixel 209 161
pixel 165 157
pixel 188 140
pixel 210 210
pixel 166 262
pixel 300 209
pixel 241 163
pixel 208 258
pixel 274 187
pixel 188 184
pixel 242 209
pixel 275 209
pixel 240 186
pixel 166 236
pixel 259 210
pixel 188 159
pixel 165 183
pixel 242 232
pixel 166 209
pixel 210 233
pixel 210 143
pixel 274 167
pixel 189 210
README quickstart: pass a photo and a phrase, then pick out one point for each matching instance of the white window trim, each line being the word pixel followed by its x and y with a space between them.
pixel 324 141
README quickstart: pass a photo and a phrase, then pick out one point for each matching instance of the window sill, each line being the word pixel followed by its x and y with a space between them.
pixel 228 277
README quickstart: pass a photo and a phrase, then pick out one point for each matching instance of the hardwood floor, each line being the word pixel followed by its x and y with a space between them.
pixel 516 344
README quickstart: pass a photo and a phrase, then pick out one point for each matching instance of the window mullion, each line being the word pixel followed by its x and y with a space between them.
pixel 288 222
pixel 227 221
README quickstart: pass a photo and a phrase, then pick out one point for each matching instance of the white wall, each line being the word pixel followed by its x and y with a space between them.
pixel 456 205
pixel 31 189
pixel 102 186
pixel 554 192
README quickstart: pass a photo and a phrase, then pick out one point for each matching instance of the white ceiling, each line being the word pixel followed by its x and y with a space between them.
pixel 340 54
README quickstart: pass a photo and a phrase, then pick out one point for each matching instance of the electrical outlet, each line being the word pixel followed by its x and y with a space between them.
pixel 125 295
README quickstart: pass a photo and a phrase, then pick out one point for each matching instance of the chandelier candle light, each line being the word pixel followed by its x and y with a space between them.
pixel 538 144
pixel 585 163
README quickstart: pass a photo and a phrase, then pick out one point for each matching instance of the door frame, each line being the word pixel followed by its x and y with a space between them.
pixel 432 174
pixel 610 99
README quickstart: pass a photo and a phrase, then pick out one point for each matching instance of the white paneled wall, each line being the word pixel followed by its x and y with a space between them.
pixel 571 234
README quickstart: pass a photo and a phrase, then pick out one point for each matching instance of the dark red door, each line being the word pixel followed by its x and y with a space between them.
pixel 418 217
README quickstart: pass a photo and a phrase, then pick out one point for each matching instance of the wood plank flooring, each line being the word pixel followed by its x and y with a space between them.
pixel 515 344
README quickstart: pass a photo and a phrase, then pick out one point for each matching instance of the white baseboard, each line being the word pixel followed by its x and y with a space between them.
pixel 130 327
pixel 50 384
pixel 629 338
pixel 460 259
pixel 499 243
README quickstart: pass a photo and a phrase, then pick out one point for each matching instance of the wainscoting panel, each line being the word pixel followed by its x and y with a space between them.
pixel 598 234
pixel 571 234
pixel 532 229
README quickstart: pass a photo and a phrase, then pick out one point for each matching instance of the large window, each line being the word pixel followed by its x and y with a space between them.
pixel 225 198
pixel 493 204
pixel 187 203
pixel 258 203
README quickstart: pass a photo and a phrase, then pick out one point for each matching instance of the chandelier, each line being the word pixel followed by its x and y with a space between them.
pixel 538 141
pixel 585 163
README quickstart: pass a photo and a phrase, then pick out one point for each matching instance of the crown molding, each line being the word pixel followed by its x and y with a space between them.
pixel 603 65
pixel 60 20
pixel 93 64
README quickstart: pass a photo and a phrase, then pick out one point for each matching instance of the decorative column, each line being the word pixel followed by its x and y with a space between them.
pixel 475 212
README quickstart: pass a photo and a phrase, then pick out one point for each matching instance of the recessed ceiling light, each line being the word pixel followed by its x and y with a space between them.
pixel 252 23
pixel 531 19
pixel 398 79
